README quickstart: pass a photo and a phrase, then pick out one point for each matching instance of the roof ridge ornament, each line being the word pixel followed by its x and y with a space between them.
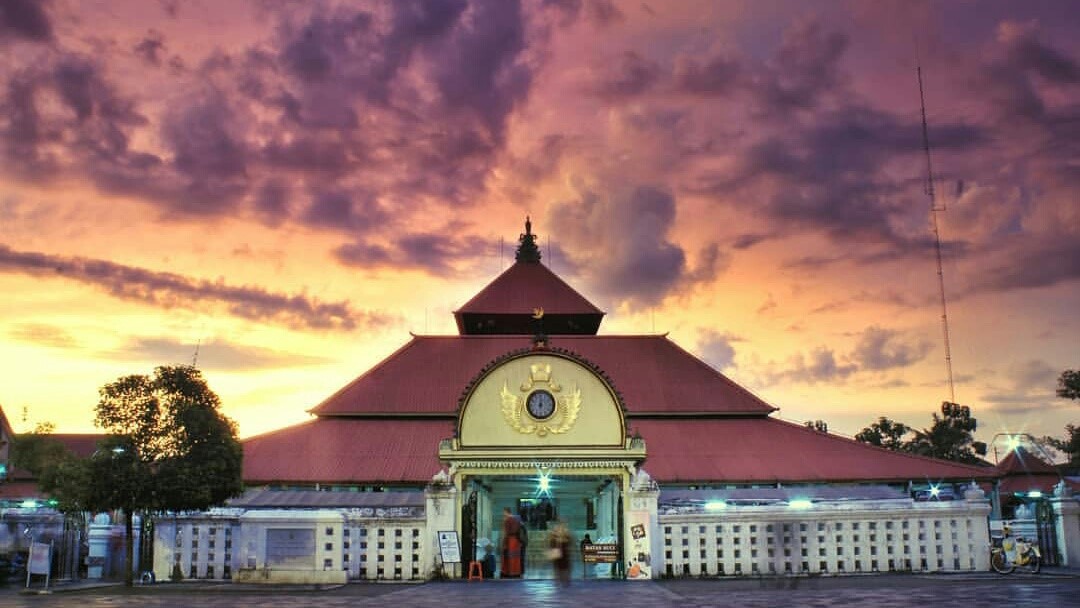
pixel 527 250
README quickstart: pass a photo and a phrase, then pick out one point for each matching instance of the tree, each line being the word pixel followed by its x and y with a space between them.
pixel 37 451
pixel 886 434
pixel 950 437
pixel 1069 384
pixel 1070 446
pixel 169 448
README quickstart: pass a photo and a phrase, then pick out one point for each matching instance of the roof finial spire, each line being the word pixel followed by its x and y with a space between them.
pixel 527 250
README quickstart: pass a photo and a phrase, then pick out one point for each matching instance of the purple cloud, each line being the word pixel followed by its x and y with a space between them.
pixel 620 240
pixel 439 253
pixel 25 19
pixel 880 349
pixel 170 290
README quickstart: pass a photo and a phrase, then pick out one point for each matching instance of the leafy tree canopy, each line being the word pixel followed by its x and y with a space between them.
pixel 885 433
pixel 950 437
pixel 1069 384
pixel 168 448
pixel 37 451
pixel 1069 446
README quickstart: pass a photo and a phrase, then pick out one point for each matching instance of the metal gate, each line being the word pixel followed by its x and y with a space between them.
pixel 468 529
pixel 68 549
pixel 1047 533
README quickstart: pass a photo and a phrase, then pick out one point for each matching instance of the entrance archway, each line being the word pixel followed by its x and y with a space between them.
pixel 589 504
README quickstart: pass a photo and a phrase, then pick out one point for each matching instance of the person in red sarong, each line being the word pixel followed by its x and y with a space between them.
pixel 513 550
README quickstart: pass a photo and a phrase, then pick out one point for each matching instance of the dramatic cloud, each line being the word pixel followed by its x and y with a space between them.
pixel 341 118
pixel 627 231
pixel 716 349
pixel 25 19
pixel 819 366
pixel 151 48
pixel 214 355
pixel 441 253
pixel 881 349
pixel 877 349
pixel 168 290
pixel 631 75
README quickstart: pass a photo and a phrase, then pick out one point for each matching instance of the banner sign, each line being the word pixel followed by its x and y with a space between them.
pixel 639 555
pixel 605 553
pixel 448 547
pixel 39 559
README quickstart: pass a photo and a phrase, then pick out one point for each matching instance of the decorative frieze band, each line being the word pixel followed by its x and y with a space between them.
pixel 542 464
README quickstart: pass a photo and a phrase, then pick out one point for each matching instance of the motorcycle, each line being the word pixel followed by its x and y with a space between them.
pixel 1007 553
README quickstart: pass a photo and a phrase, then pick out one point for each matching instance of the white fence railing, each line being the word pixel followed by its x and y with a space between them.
pixel 207 546
pixel 829 539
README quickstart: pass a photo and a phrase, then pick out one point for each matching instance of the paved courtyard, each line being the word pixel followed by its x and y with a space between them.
pixel 869 591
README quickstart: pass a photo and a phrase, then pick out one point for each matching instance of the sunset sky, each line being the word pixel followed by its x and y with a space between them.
pixel 293 187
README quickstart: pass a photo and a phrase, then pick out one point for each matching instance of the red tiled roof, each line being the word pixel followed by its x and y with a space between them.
pixel 771 450
pixel 82 445
pixel 79 444
pixel 347 450
pixel 731 450
pixel 525 286
pixel 1021 471
pixel 653 374
pixel 1023 462
pixel 20 489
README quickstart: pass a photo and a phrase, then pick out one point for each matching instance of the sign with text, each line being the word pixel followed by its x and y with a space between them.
pixel 448 547
pixel 603 553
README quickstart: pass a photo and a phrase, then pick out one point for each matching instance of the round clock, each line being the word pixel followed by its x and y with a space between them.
pixel 540 404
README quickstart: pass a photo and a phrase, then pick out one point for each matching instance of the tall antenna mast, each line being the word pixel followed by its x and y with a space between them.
pixel 195 357
pixel 937 239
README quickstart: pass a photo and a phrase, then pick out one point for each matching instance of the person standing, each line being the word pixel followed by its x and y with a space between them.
pixel 559 543
pixel 513 549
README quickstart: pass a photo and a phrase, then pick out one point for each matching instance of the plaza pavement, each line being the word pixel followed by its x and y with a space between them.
pixel 1051 589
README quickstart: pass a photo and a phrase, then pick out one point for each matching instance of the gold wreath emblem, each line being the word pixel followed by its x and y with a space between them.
pixel 567 406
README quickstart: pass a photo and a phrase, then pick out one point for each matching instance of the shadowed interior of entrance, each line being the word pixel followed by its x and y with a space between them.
pixel 589 505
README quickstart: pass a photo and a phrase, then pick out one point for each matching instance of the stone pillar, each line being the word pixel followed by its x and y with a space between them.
pixel 98 541
pixel 981 507
pixel 441 510
pixel 643 555
pixel 1067 525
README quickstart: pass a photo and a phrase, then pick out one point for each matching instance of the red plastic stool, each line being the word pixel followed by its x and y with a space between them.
pixel 475 571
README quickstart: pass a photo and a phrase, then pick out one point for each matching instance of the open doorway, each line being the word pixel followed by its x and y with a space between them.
pixel 588 504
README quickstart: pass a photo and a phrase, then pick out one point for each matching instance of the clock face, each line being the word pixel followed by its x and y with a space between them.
pixel 540 404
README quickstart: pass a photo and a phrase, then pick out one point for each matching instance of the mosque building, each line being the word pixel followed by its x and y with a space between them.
pixel 658 463
pixel 528 407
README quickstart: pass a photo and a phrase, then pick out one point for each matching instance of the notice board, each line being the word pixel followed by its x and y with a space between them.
pixel 449 548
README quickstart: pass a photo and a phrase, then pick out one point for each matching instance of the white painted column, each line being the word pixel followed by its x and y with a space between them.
pixel 1067 526
pixel 98 541
pixel 641 504
pixel 441 510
